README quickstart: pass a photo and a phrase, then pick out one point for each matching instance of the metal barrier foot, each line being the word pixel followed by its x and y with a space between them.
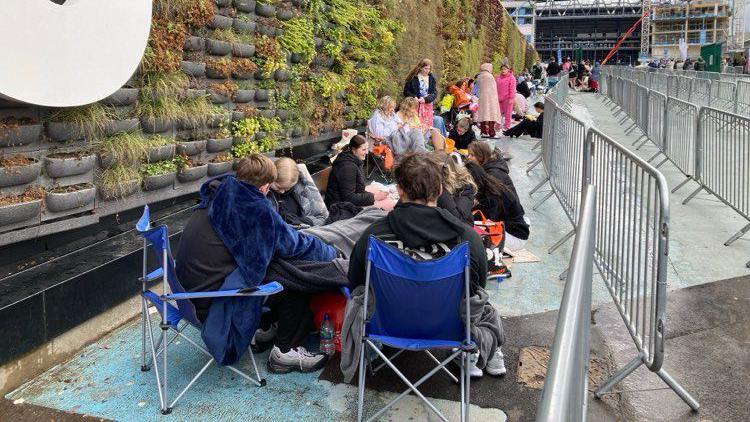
pixel 645 141
pixel 692 195
pixel 538 204
pixel 679 390
pixel 561 241
pixel 662 163
pixel 637 140
pixel 737 235
pixel 619 376
pixel 681 184
pixel 653 157
pixel 537 187
pixel 534 163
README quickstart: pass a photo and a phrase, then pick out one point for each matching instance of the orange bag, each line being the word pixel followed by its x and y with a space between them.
pixel 493 229
pixel 385 153
pixel 450 145
pixel 333 304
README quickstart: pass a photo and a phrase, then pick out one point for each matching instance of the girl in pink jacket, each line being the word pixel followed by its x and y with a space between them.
pixel 506 94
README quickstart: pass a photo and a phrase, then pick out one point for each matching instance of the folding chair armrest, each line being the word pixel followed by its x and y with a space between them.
pixel 345 291
pixel 154 275
pixel 263 290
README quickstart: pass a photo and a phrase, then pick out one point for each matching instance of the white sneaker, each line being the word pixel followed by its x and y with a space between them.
pixel 496 365
pixel 296 359
pixel 474 372
pixel 264 336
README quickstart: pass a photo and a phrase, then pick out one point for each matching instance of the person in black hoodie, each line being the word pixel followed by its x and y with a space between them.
pixel 496 194
pixel 463 134
pixel 528 126
pixel 346 182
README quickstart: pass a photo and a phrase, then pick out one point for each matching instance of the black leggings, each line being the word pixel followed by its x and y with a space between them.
pixel 291 310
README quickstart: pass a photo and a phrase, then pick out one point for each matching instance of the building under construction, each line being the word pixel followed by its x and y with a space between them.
pixel 592 25
pixel 697 22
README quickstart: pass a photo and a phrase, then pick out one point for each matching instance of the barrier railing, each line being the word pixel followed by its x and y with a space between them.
pixel 700 91
pixel 742 98
pixel 656 125
pixel 565 393
pixel 632 214
pixel 722 95
pixel 723 161
pixel 681 138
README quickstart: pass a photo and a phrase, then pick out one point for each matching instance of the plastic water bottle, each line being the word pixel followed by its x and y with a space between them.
pixel 327 344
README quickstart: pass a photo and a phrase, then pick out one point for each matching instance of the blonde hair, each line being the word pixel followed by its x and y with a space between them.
pixel 422 63
pixel 455 176
pixel 409 107
pixel 386 102
pixel 256 169
pixel 287 174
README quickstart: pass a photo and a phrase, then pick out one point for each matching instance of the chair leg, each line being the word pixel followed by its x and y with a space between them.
pixel 192 381
pixel 162 394
pixel 361 382
pixel 463 386
pixel 262 381
pixel 467 374
pixel 144 309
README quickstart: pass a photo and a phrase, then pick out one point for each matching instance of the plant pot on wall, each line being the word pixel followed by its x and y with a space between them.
pixel 263 95
pixel 20 174
pixel 285 14
pixel 243 50
pixel 217 97
pixel 195 93
pixel 63 131
pixel 218 144
pixel 218 48
pixel 298 132
pixel 122 97
pixel 295 58
pixel 113 127
pixel 245 6
pixel 70 197
pixel 220 22
pixel 260 75
pixel 266 30
pixel 192 174
pixel 244 26
pixel 195 69
pixel 164 152
pixel 122 190
pixel 215 169
pixel 18 213
pixel 267 113
pixel 194 43
pixel 281 75
pixel 223 3
pixel 282 115
pixel 63 165
pixel 158 181
pixel 191 147
pixel 243 96
pixel 20 135
pixel 265 10
pixel 152 125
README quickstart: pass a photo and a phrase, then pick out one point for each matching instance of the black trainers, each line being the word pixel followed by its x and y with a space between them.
pixel 296 359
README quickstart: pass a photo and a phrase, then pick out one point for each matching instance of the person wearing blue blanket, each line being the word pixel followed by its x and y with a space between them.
pixel 235 228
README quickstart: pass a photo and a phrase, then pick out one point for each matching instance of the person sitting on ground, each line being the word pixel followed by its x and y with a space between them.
pixel 346 183
pixel 383 121
pixel 418 228
pixel 530 125
pixel 409 116
pixel 496 195
pixel 520 107
pixel 461 98
pixel 459 188
pixel 295 197
pixel 463 134
pixel 235 228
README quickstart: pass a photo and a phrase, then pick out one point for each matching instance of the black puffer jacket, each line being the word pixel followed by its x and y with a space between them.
pixel 347 182
pixel 459 203
pixel 506 208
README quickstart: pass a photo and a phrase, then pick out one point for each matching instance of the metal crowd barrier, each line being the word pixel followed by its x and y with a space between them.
pixel 655 127
pixel 723 161
pixel 742 98
pixel 700 91
pixel 565 393
pixel 631 252
pixel 681 138
pixel 722 95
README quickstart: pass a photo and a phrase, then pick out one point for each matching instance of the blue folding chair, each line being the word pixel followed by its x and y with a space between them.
pixel 177 311
pixel 417 308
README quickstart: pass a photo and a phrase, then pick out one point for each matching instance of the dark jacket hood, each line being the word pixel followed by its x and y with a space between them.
pixel 347 156
pixel 419 225
pixel 499 164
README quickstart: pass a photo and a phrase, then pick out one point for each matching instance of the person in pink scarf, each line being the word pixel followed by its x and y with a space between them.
pixel 506 94
pixel 489 112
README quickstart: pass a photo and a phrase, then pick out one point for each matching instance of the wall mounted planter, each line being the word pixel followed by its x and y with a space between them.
pixel 263 94
pixel 282 115
pixel 244 96
pixel 237 116
pixel 244 26
pixel 106 161
pixel 83 196
pixel 215 169
pixel 158 181
pixel 216 74
pixel 195 93
pixel 122 97
pixel 285 14
pixel 267 113
pixel 218 97
pixel 63 131
pixel 20 175
pixel 191 147
pixel 266 30
pixel 223 3
pixel 218 145
pixel 193 43
pixel 243 50
pixel 195 69
pixel 125 189
pixel 295 58
pixel 192 174
pixel 265 10
pixel 218 48
pixel 220 22
pixel 63 165
pixel 150 125
pixel 281 75
pixel 116 126
pixel 18 213
pixel 21 135
pixel 165 152
pixel 246 6
pixel 243 76
pixel 259 135
pixel 260 75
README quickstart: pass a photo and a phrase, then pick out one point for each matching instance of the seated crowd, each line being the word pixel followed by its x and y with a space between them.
pixel 271 222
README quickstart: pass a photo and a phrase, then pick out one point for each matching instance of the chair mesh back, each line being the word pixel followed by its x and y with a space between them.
pixel 417 299
pixel 159 240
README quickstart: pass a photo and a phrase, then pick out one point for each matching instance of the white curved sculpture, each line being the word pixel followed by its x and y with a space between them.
pixel 71 54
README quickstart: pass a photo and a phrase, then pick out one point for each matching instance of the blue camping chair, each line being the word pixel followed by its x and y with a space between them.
pixel 417 308
pixel 177 311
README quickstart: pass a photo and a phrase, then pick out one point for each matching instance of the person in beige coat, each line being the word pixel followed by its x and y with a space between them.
pixel 488 113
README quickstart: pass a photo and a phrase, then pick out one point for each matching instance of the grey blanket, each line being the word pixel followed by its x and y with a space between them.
pixel 309 276
pixel 486 329
pixel 343 234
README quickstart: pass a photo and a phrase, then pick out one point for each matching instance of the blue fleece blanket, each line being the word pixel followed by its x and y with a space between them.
pixel 254 234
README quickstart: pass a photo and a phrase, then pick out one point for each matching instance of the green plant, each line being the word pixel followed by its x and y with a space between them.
pixel 226 35
pixel 124 148
pixel 246 148
pixel 246 128
pixel 222 65
pixel 158 141
pixel 269 125
pixel 158 168
pixel 163 84
pixel 165 43
pixel 265 84
pixel 224 130
pixel 115 181
pixel 269 56
pixel 298 38
pixel 88 120
pixel 328 84
pixel 227 88
pixel 222 157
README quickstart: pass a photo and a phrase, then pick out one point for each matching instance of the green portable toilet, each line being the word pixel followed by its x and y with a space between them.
pixel 711 53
